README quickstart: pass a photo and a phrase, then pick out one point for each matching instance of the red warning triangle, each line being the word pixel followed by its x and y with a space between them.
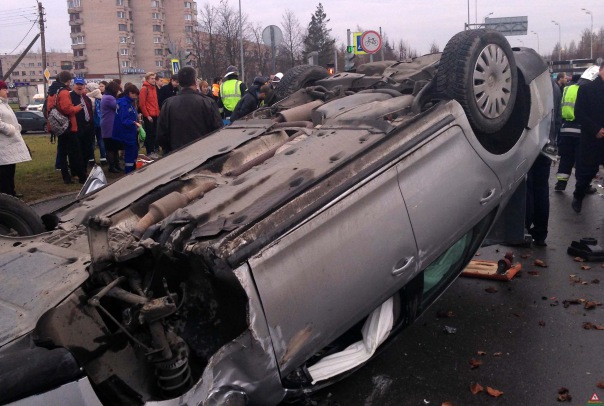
pixel 595 397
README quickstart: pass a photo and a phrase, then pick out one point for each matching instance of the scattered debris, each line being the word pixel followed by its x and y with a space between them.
pixel 445 314
pixel 591 304
pixel 534 273
pixel 585 267
pixel 554 303
pixel 494 392
pixel 540 263
pixel 579 259
pixel 564 395
pixel 567 303
pixel 590 326
pixel 475 363
pixel 477 254
pixel 447 404
pixel 491 289
pixel 595 281
pixel 542 323
pixel 476 388
pixel 502 270
pixel 600 385
pixel 481 352
pixel 525 256
pixel 498 354
pixel 450 330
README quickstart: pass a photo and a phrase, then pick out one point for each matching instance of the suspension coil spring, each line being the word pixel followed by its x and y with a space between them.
pixel 174 375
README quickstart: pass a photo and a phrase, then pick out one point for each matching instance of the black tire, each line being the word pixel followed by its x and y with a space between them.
pixel 297 78
pixel 477 68
pixel 17 218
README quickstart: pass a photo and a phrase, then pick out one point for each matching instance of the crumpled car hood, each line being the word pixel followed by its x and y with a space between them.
pixel 35 276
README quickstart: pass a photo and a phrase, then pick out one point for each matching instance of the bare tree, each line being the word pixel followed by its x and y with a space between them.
pixel 205 42
pixel 292 39
pixel 434 48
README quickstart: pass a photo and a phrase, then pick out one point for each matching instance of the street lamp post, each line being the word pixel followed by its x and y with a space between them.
pixel 485 19
pixel 539 52
pixel 241 44
pixel 591 35
pixel 559 39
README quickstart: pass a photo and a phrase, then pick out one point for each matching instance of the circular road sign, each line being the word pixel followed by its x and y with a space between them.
pixel 272 35
pixel 371 42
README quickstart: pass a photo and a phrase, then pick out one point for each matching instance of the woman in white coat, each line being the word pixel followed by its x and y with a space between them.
pixel 12 147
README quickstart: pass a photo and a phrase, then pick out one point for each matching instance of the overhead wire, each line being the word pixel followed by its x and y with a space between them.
pixel 25 36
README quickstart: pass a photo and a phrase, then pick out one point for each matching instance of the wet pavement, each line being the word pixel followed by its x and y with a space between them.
pixel 533 345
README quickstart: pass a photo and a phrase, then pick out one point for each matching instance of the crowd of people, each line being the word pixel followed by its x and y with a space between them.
pixel 121 119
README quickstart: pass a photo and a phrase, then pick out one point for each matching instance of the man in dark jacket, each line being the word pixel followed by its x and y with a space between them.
pixel 589 111
pixel 167 91
pixel 187 116
pixel 251 100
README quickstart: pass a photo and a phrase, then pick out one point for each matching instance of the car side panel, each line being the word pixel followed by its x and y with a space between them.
pixel 448 189
pixel 327 274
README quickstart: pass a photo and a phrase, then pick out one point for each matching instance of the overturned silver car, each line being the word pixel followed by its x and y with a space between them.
pixel 276 255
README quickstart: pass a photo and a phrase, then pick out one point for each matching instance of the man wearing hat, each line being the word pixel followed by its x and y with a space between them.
pixel 231 91
pixel 84 119
pixel 68 144
pixel 12 147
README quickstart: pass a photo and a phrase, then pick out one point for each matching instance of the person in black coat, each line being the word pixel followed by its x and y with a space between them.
pixel 251 99
pixel 589 111
pixel 167 91
pixel 187 116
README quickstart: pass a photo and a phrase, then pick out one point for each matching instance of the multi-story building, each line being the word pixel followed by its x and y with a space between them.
pixel 111 37
pixel 30 70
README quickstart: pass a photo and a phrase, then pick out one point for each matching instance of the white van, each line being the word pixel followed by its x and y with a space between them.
pixel 37 103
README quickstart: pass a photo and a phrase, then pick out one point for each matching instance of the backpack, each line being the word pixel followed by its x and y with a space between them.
pixel 57 121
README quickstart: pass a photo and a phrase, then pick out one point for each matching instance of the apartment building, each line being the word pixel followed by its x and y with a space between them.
pixel 111 37
pixel 30 70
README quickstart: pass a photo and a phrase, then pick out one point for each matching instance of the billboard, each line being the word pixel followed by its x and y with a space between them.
pixel 508 25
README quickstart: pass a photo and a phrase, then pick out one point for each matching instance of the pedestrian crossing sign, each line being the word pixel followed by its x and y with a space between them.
pixel 175 66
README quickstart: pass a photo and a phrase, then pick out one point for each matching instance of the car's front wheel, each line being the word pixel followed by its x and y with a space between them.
pixel 17 218
pixel 477 68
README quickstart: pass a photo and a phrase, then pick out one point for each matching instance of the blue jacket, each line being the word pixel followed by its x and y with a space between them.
pixel 124 127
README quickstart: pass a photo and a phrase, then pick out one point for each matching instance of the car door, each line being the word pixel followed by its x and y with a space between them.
pixel 448 189
pixel 324 276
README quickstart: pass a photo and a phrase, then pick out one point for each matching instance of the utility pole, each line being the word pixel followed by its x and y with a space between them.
pixel 43 43
pixel 591 35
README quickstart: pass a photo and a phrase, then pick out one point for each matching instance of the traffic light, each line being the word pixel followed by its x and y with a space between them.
pixel 349 62
pixel 331 68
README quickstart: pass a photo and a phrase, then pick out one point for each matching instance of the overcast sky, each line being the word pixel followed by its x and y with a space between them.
pixel 418 22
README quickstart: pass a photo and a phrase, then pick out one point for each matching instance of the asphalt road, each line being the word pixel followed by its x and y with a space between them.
pixel 533 344
pixel 542 344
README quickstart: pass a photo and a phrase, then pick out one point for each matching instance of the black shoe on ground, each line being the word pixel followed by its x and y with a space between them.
pixel 560 186
pixel 540 243
pixel 576 204
pixel 591 190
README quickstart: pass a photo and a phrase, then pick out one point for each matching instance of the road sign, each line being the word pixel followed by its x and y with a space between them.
pixel 356 40
pixel 46 73
pixel 272 35
pixel 508 25
pixel 371 42
pixel 175 66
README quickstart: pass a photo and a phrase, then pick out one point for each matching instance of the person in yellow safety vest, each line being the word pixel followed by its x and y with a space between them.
pixel 231 91
pixel 568 139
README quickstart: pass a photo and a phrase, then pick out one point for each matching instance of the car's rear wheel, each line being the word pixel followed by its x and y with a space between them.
pixel 297 78
pixel 17 218
pixel 477 68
